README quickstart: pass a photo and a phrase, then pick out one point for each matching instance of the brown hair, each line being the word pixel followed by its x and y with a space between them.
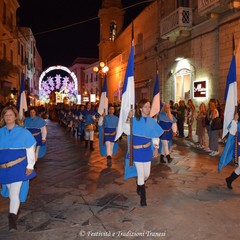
pixel 141 103
pixel 17 121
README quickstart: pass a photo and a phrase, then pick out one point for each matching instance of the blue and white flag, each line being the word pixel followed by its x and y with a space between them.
pixel 22 99
pixel 155 109
pixel 128 95
pixel 103 104
pixel 230 96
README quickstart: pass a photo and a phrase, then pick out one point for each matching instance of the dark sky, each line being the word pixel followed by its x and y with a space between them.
pixel 62 46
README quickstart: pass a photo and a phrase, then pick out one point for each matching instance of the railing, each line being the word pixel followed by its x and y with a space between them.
pixel 181 17
pixel 205 4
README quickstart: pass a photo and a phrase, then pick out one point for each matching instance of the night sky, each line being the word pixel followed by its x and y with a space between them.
pixel 58 44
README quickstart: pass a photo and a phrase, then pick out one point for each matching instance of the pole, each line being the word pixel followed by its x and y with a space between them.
pixel 131 141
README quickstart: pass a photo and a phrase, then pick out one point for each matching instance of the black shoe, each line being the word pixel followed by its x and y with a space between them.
pixel 109 161
pixel 12 219
pixel 169 159
pixel 162 159
pixel 143 201
pixel 230 179
pixel 91 146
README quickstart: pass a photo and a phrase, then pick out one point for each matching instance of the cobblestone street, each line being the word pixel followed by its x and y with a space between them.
pixel 75 196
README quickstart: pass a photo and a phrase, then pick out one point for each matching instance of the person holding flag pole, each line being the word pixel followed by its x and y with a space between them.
pixel 142 130
pixel 107 126
pixel 231 124
pixel 155 108
pixel 22 100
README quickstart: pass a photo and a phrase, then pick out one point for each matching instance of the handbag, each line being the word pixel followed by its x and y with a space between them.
pixel 217 123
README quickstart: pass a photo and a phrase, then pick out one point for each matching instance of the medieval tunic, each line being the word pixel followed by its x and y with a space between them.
pixel 146 132
pixel 107 133
pixel 110 126
pixel 36 127
pixel 166 123
pixel 88 116
pixel 16 143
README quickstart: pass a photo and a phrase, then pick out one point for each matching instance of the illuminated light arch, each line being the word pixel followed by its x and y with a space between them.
pixel 58 67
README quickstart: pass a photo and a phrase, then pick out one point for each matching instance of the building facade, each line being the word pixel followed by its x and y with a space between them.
pixel 17 50
pixel 189 42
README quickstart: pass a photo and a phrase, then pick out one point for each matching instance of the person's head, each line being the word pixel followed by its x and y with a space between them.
pixel 166 108
pixel 238 110
pixel 143 108
pixel 32 112
pixel 88 106
pixel 111 110
pixel 212 105
pixel 202 107
pixel 9 116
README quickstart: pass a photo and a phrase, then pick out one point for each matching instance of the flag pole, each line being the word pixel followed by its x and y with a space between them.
pixel 131 141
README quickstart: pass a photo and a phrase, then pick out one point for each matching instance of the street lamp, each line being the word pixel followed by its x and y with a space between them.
pixel 102 70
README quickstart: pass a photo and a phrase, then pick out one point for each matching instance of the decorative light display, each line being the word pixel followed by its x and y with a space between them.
pixel 62 84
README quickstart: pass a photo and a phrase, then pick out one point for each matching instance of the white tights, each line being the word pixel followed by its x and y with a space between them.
pixel 89 135
pixel 165 150
pixel 143 171
pixel 109 146
pixel 14 192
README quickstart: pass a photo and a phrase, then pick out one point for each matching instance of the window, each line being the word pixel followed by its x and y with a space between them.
pixel 12 56
pixel 11 20
pixel 4 51
pixel 182 3
pixel 183 85
pixel 4 13
pixel 19 48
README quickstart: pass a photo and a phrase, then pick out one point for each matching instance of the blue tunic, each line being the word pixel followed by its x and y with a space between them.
pixel 13 145
pixel 166 124
pixel 143 131
pixel 34 125
pixel 88 116
pixel 110 126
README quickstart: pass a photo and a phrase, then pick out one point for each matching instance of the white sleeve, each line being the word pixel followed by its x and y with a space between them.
pixel 155 142
pixel 31 157
pixel 44 132
pixel 233 128
pixel 100 121
pixel 174 127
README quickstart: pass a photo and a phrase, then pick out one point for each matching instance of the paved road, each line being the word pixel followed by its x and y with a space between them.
pixel 75 196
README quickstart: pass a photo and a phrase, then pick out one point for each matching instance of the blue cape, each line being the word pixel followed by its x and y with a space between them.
pixel 102 145
pixel 153 130
pixel 35 122
pixel 15 138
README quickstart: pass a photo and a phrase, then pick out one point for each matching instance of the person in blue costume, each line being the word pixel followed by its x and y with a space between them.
pixel 38 127
pixel 168 123
pixel 233 130
pixel 88 117
pixel 145 139
pixel 17 159
pixel 108 127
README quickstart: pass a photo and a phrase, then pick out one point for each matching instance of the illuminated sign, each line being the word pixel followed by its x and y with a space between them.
pixel 93 97
pixel 200 89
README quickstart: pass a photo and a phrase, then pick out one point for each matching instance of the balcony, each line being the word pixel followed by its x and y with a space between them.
pixel 215 7
pixel 177 25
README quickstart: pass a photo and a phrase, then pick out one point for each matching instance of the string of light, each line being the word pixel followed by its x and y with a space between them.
pixel 71 25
